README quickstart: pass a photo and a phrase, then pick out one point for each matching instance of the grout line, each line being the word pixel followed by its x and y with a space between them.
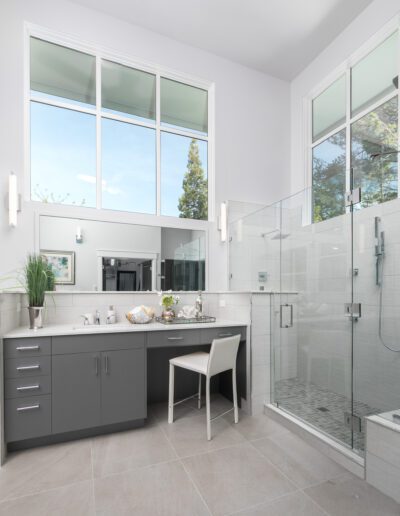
pixel 92 463
pixel 312 499
pixel 186 471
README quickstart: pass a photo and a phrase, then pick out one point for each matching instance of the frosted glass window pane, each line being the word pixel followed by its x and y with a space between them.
pixel 184 184
pixel 375 75
pixel 184 106
pixel 329 108
pixel 376 133
pixel 62 73
pixel 128 167
pixel 128 91
pixel 63 156
pixel 329 177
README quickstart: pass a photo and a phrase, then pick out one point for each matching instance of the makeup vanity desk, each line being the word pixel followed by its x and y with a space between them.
pixel 65 382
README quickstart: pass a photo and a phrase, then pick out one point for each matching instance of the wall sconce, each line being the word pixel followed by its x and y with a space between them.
pixel 14 200
pixel 223 221
pixel 79 235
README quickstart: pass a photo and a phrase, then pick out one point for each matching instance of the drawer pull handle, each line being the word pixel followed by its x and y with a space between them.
pixel 28 348
pixel 175 338
pixel 28 367
pixel 28 387
pixel 30 407
pixel 225 334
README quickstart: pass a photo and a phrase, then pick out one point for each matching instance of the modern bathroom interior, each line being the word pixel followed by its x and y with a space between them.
pixel 200 258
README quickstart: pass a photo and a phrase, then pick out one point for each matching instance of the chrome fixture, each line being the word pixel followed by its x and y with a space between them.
pixel 97 317
pixel 379 251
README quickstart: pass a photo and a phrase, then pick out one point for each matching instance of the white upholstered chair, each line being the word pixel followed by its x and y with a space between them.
pixel 222 357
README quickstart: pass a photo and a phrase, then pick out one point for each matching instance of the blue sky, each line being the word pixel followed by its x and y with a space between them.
pixel 63 160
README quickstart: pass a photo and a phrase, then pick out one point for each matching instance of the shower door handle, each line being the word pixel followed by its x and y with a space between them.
pixel 352 310
pixel 282 325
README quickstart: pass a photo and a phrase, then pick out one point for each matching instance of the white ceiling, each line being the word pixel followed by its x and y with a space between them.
pixel 278 37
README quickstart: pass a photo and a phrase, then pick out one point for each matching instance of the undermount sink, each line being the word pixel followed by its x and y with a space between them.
pixel 91 327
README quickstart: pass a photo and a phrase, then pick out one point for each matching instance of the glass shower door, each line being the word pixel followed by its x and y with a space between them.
pixel 376 343
pixel 312 341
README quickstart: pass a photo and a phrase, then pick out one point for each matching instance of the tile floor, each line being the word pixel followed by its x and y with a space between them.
pixel 256 467
pixel 323 409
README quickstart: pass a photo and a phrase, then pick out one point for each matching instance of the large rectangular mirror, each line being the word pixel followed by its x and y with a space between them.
pixel 90 255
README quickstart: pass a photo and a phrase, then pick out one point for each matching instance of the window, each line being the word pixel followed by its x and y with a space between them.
pixel 115 141
pixel 355 122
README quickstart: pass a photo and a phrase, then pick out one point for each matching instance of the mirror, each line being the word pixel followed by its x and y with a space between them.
pixel 108 256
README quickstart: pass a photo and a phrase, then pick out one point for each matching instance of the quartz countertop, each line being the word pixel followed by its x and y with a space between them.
pixel 124 327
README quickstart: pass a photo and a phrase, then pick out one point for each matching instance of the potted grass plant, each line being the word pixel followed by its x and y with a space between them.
pixel 38 279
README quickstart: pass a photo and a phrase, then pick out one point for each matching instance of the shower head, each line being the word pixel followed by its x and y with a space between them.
pixel 280 236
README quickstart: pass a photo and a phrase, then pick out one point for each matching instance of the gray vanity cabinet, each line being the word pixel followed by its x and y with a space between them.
pixel 76 391
pixel 104 386
pixel 123 386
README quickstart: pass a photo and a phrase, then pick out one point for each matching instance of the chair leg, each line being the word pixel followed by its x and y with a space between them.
pixel 235 403
pixel 171 394
pixel 199 394
pixel 208 408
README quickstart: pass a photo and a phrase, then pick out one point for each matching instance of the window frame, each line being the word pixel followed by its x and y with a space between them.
pixel 101 53
pixel 345 69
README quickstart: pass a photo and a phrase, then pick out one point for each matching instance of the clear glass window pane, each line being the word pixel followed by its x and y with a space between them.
pixel 184 183
pixel 375 75
pixel 128 91
pixel 329 177
pixel 184 106
pixel 63 156
pixel 128 167
pixel 329 109
pixel 61 73
pixel 374 143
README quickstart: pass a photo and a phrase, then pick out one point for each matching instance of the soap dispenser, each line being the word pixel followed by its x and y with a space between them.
pixel 111 317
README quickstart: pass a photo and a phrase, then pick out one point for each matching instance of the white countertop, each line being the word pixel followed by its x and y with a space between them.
pixel 125 327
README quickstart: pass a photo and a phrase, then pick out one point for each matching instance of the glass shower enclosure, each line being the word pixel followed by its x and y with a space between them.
pixel 335 307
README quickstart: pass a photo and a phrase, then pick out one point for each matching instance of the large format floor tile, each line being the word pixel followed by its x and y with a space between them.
pixel 49 467
pixel 188 435
pixel 294 504
pixel 302 463
pixel 160 490
pixel 256 427
pixel 124 451
pixel 75 499
pixel 234 478
pixel 350 496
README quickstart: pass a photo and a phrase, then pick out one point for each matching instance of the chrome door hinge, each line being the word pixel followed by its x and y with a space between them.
pixel 352 421
pixel 352 310
pixel 353 197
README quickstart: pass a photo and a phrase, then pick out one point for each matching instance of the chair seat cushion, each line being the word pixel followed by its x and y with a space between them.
pixel 197 362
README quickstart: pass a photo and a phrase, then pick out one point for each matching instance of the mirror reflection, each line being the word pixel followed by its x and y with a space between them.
pixel 108 256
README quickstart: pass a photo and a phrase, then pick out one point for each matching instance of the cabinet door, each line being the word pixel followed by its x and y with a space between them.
pixel 123 386
pixel 75 392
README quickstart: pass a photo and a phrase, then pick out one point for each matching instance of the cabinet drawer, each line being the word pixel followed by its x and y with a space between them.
pixel 30 347
pixel 209 334
pixel 25 367
pixel 96 342
pixel 24 387
pixel 26 418
pixel 163 338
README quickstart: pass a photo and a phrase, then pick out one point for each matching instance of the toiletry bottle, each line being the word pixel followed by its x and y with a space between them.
pixel 111 317
pixel 199 305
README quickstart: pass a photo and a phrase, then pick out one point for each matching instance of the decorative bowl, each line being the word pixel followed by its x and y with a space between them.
pixel 140 315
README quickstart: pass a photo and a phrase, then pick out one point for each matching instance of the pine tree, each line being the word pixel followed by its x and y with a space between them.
pixel 193 201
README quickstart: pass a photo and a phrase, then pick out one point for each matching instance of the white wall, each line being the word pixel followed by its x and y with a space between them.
pixel 350 40
pixel 251 127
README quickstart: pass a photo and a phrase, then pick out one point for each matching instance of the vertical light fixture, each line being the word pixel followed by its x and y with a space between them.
pixel 223 221
pixel 13 200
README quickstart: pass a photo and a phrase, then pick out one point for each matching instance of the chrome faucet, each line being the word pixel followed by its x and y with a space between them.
pixel 86 321
pixel 97 317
